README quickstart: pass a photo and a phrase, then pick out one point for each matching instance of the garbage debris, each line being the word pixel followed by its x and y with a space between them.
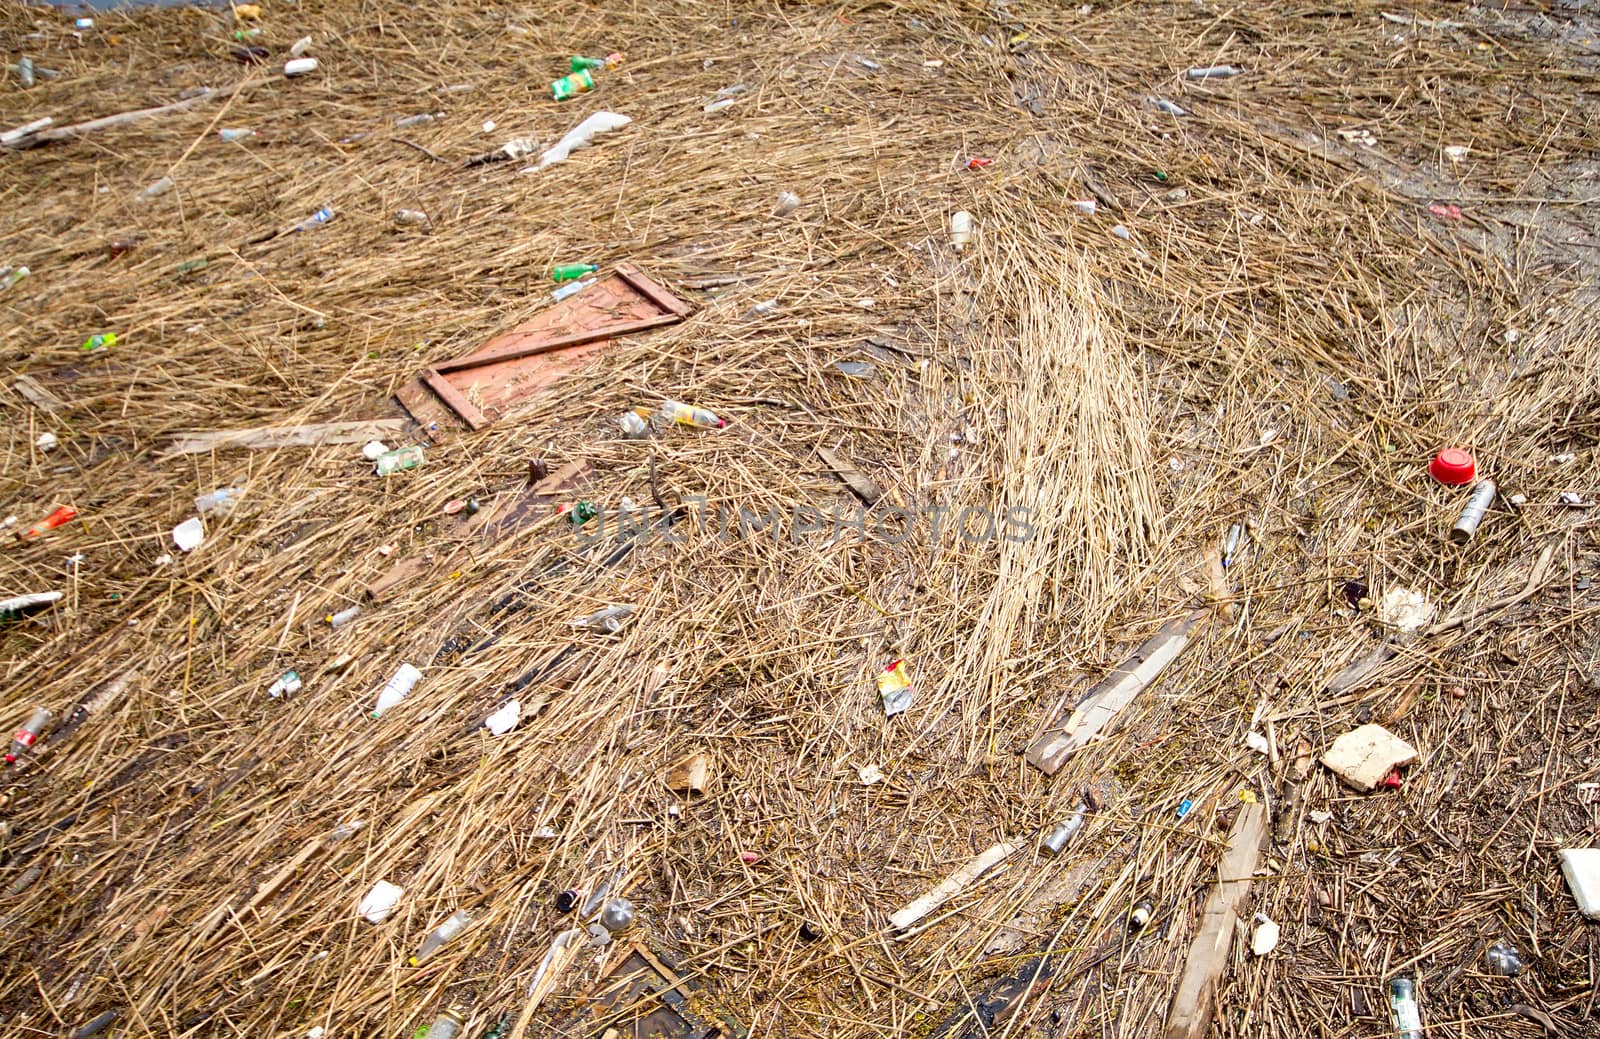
pixel 377 904
pixel 948 888
pixel 1504 961
pixel 726 98
pixel 1473 512
pixel 1404 609
pixel 15 607
pixel 1213 72
pixel 315 220
pixel 397 689
pixel 894 688
pixel 1055 841
pixel 46 443
pixel 1169 107
pixel 1139 916
pixel 571 288
pixel 1230 543
pixel 582 135
pixel 99 341
pixel 570 271
pixel 870 775
pixel 287 684
pixel 234 135
pixel 440 936
pixel 691 774
pixel 1403 1006
pixel 343 617
pixel 399 460
pixel 189 534
pixel 505 719
pixel 299 67
pixel 788 202
pixel 61 516
pixel 572 85
pixel 1265 937
pixel 1364 756
pixel 1581 867
pixel 446 1026
pixel 25 737
pixel 961 229
pixel 689 415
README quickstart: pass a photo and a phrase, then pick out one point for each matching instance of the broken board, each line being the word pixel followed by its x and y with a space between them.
pixel 473 391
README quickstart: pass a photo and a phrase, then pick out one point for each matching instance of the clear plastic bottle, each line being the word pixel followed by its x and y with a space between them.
pixel 1403 1004
pixel 317 219
pixel 453 925
pixel 446 1026
pixel 26 736
pixel 688 415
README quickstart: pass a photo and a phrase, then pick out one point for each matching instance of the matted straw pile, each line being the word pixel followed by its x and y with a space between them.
pixel 1287 334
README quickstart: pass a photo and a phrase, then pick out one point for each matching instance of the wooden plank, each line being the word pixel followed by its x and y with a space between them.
pixel 1194 1002
pixel 951 886
pixel 1106 700
pixel 454 399
pixel 530 347
pixel 651 291
pixel 37 395
pixel 861 485
pixel 261 437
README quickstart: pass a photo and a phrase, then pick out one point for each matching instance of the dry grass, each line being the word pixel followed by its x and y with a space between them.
pixel 1288 341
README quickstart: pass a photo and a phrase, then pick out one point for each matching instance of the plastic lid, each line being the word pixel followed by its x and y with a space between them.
pixel 1453 466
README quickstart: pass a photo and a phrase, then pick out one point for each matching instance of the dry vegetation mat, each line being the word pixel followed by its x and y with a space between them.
pixel 1261 323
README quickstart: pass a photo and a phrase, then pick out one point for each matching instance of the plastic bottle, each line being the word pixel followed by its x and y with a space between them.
pixel 1142 912
pixel 220 501
pixel 288 684
pixel 100 341
pixel 233 135
pixel 299 67
pixel 419 119
pixel 687 415
pixel 397 689
pixel 571 86
pixel 316 219
pixel 1504 961
pixel 571 288
pixel 400 459
pixel 343 617
pixel 581 64
pixel 157 189
pixel 446 1026
pixel 414 217
pixel 300 46
pixel 243 35
pixel 1403 1004
pixel 568 271
pixel 1169 107
pixel 788 202
pixel 1213 72
pixel 25 71
pixel 25 736
pixel 9 276
pixel 436 939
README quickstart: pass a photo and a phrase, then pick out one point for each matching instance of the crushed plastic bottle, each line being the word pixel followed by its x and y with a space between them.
pixel 788 202
pixel 634 426
pixel 412 217
pixel 607 621
pixel 688 415
pixel 1504 961
pixel 453 925
pixel 26 736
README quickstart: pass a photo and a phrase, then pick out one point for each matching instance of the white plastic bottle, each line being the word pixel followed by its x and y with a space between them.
pixel 398 688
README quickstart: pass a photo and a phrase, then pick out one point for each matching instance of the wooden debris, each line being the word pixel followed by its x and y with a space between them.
pixel 690 775
pixel 37 395
pixel 861 485
pixel 1362 757
pixel 266 437
pixel 1102 703
pixel 1194 1002
pixel 44 135
pixel 951 886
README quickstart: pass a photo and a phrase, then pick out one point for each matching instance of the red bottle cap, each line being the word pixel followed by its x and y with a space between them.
pixel 1453 467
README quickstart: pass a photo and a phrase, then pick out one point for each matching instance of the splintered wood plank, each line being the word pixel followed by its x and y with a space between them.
pixel 261 437
pixel 861 485
pixel 1194 1002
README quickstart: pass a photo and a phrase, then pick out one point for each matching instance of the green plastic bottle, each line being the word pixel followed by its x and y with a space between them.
pixel 100 342
pixel 568 271
pixel 571 86
pixel 581 64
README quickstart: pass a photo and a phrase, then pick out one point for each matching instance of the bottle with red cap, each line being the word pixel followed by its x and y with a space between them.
pixel 1453 467
pixel 26 736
